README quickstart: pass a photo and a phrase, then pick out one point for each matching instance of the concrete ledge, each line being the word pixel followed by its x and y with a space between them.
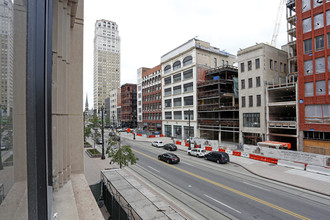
pixel 318 169
pixel 299 166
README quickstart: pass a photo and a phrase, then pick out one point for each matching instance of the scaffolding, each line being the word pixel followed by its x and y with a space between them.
pixel 218 109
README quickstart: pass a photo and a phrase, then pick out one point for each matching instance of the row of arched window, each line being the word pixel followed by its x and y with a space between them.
pixel 177 64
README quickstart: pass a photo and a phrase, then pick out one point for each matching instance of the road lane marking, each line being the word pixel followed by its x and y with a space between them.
pixel 256 186
pixel 154 169
pixel 222 204
pixel 229 189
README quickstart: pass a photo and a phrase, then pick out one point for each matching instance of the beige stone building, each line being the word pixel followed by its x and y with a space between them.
pixel 106 60
pixel 42 175
pixel 257 65
pixel 182 67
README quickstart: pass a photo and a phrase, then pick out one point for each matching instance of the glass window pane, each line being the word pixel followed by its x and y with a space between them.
pixel 188 74
pixel 309 89
pixel 319 43
pixel 308 46
pixel 320 65
pixel 320 88
pixel 307 25
pixel 308 67
pixel 317 3
pixel 328 17
pixel 318 21
pixel 306 5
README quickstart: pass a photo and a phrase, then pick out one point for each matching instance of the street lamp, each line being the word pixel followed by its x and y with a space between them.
pixel 113 121
pixel 102 157
pixel 1 166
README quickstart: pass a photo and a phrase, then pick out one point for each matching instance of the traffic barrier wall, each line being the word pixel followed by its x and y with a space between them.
pixel 237 153
pixel 139 134
pixel 178 142
pixel 208 148
pixel 222 150
pixel 318 169
pixel 299 166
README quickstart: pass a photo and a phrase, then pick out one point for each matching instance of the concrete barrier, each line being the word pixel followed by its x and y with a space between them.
pixel 318 169
pixel 299 166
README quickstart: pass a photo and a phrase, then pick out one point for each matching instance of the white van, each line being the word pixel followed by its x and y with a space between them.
pixel 197 152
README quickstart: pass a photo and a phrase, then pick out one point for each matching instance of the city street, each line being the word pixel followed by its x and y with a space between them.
pixel 214 190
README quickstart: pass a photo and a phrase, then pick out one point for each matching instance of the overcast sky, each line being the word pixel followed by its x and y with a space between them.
pixel 151 28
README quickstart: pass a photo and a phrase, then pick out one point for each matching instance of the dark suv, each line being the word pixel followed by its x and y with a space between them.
pixel 217 156
pixel 171 147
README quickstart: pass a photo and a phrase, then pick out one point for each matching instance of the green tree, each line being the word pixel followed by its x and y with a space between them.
pixel 96 126
pixel 123 156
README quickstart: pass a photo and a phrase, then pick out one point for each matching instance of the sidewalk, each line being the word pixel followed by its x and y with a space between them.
pixel 299 178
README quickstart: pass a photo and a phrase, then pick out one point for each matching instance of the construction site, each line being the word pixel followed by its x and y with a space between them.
pixel 282 111
pixel 218 108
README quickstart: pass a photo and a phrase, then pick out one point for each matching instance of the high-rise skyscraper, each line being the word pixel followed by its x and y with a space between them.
pixel 6 55
pixel 106 60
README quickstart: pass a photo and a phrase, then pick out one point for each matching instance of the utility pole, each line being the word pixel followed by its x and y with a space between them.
pixel 102 157
pixel 189 129
pixel 1 130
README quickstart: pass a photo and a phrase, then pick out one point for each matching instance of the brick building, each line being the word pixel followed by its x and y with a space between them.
pixel 152 100
pixel 128 105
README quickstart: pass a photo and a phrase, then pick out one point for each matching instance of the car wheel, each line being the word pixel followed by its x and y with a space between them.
pixel 218 161
pixel 168 161
pixel 189 153
pixel 158 157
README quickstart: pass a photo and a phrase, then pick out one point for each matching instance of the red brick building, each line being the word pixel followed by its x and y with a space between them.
pixel 152 100
pixel 313 59
pixel 128 105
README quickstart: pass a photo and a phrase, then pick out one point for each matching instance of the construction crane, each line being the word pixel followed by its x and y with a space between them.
pixel 277 22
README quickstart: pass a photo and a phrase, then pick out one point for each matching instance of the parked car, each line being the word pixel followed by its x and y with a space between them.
pixel 169 158
pixel 121 130
pixel 107 126
pixel 157 144
pixel 217 156
pixel 171 147
pixel 197 152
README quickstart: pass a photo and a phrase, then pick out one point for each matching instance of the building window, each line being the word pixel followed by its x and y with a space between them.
pixel 306 5
pixel 243 101
pixel 250 101
pixel 328 40
pixel 281 67
pixel 176 90
pixel 318 21
pixel 319 43
pixel 167 69
pixel 271 64
pixel 178 115
pixel 308 48
pixel 284 68
pixel 215 62
pixel 176 65
pixel 251 120
pixel 188 100
pixel 317 3
pixel 249 65
pixel 168 130
pixel 307 25
pixel 177 102
pixel 167 80
pixel 308 67
pixel 328 17
pixel 167 92
pixel 186 115
pixel 275 65
pixel 243 84
pixel 317 114
pixel 168 115
pixel 177 77
pixel 188 87
pixel 187 60
pixel 258 100
pixel 168 103
pixel 242 67
pixel 250 82
pixel 257 63
pixel 177 131
pixel 309 89
pixel 258 81
pixel 320 65
pixel 186 132
pixel 188 74
pixel 320 87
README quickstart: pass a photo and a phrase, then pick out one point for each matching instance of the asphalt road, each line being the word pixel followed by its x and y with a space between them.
pixel 229 189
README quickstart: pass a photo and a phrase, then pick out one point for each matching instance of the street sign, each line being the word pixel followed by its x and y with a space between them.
pixel 128 130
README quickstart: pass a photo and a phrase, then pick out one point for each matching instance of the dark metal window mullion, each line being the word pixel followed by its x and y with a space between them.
pixel 37 106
